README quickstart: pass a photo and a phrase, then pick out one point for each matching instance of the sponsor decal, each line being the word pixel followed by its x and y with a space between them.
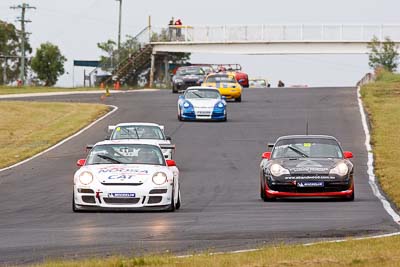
pixel 120 170
pixel 124 195
pixel 309 169
pixel 317 177
pixel 310 184
pixel 121 177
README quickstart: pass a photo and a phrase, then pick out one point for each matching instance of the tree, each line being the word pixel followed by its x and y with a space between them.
pixel 383 54
pixel 48 63
pixel 10 51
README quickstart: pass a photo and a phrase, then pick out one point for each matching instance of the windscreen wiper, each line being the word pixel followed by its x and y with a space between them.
pixel 109 159
pixel 298 152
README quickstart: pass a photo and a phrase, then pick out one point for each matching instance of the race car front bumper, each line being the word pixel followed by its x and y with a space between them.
pixel 122 197
pixel 345 191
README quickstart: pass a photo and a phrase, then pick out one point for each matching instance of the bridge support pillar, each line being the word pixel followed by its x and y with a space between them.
pixel 152 69
pixel 166 71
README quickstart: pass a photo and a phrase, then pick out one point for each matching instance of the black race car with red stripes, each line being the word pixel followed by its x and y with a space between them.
pixel 306 166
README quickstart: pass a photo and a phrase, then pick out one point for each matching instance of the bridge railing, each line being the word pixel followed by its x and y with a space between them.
pixel 272 32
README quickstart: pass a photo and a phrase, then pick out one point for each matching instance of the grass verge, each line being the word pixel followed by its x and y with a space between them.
pixel 382 102
pixel 7 90
pixel 30 127
pixel 371 252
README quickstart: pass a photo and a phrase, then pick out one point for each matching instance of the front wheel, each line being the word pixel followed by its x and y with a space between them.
pixel 351 197
pixel 178 203
pixel 172 206
pixel 239 99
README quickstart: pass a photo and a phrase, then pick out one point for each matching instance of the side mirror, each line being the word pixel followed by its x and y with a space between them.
pixel 181 97
pixel 241 80
pixel 348 155
pixel 223 97
pixel 89 147
pixel 81 162
pixel 111 128
pixel 168 138
pixel 266 155
pixel 171 163
pixel 270 145
pixel 107 137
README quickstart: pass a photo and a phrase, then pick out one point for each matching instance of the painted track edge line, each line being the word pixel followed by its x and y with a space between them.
pixel 372 179
pixel 114 109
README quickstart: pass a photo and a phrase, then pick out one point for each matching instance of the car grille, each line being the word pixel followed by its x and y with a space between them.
pixel 154 199
pixel 88 199
pixel 295 189
pixel 121 200
pixel 158 191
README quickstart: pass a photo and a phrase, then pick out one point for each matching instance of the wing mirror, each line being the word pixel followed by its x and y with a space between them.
pixel 266 155
pixel 171 163
pixel 81 162
pixel 348 155
pixel 181 97
pixel 241 80
pixel 223 97
pixel 168 138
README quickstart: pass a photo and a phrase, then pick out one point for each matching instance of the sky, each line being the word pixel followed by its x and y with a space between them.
pixel 76 26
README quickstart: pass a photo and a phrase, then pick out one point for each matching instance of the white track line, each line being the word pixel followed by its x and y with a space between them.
pixel 73 93
pixel 372 179
pixel 114 108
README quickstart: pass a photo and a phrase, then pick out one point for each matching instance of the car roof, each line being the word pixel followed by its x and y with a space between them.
pixel 307 136
pixel 137 124
pixel 129 142
pixel 202 88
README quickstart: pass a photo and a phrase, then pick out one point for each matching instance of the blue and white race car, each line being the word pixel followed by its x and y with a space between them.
pixel 202 103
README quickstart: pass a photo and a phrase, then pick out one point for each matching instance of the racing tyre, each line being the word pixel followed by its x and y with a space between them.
pixel 174 90
pixel 178 203
pixel 74 207
pixel 351 197
pixel 179 115
pixel 262 193
pixel 239 99
pixel 172 206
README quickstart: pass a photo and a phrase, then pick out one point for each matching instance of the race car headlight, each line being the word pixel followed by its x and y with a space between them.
pixel 341 169
pixel 85 178
pixel 220 105
pixel 278 170
pixel 178 81
pixel 186 105
pixel 159 178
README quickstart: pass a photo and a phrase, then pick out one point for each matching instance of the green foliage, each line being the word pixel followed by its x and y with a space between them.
pixel 383 54
pixel 10 50
pixel 48 63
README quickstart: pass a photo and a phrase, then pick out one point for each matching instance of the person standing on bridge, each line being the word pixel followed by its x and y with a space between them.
pixel 170 28
pixel 178 25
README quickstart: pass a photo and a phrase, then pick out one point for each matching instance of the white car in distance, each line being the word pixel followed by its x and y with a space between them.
pixel 142 131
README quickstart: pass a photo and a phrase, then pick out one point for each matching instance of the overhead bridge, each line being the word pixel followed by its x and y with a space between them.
pixel 270 39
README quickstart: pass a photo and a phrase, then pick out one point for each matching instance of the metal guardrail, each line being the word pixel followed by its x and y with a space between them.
pixel 271 33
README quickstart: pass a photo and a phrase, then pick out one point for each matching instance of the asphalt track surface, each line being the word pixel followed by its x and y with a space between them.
pixel 219 177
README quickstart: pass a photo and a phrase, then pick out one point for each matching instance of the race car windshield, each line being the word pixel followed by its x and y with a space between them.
pixel 137 132
pixel 190 71
pixel 221 79
pixel 203 93
pixel 307 148
pixel 126 154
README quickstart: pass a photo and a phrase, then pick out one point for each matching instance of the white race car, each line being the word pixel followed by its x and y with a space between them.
pixel 126 174
pixel 144 131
